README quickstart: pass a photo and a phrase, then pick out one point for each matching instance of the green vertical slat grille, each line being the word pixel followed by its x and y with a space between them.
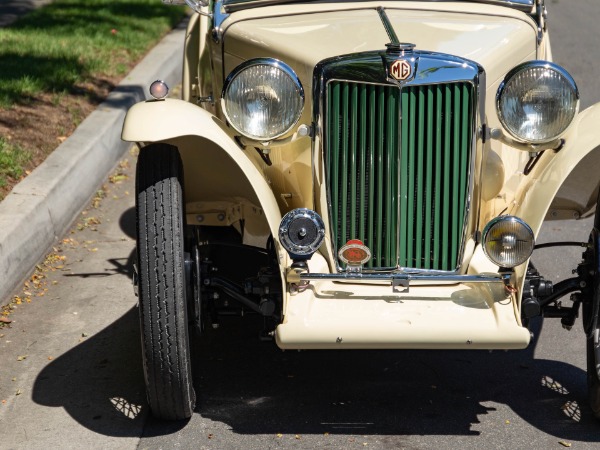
pixel 398 170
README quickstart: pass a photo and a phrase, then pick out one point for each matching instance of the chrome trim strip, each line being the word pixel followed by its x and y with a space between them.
pixel 218 18
pixel 429 69
pixel 195 5
pixel 376 277
pixel 237 5
pixel 522 5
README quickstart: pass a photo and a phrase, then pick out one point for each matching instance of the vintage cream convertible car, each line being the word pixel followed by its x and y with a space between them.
pixel 364 175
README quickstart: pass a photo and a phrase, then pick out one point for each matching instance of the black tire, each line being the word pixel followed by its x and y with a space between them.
pixel 591 317
pixel 593 360
pixel 162 283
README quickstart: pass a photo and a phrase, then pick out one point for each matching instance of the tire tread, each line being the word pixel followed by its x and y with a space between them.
pixel 163 318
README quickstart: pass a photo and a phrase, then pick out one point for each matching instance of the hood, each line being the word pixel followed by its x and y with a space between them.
pixel 497 38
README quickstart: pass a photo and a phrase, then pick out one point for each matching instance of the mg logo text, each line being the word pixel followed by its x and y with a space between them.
pixel 400 69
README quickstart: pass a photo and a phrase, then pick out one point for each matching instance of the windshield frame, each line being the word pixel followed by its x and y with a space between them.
pixel 236 5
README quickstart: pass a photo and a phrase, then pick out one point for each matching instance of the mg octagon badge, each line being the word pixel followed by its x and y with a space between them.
pixel 400 69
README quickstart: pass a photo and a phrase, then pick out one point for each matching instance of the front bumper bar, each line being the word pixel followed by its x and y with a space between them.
pixel 404 280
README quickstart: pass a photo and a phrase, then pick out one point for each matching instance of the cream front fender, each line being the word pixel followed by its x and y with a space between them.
pixel 216 168
pixel 160 120
pixel 565 187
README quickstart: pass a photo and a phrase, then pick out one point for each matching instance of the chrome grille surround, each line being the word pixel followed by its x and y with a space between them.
pixel 428 69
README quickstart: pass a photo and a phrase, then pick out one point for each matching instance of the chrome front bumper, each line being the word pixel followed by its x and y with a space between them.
pixel 405 280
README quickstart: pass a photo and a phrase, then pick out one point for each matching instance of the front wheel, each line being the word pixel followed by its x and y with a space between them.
pixel 593 367
pixel 591 315
pixel 591 319
pixel 162 282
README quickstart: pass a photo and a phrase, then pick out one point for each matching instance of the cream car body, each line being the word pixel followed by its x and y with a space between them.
pixel 232 180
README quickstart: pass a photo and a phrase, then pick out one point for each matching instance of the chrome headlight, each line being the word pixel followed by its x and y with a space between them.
pixel 262 99
pixel 537 101
pixel 508 241
pixel 301 233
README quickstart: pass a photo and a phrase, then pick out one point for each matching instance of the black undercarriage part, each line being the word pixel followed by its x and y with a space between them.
pixel 231 284
pixel 542 297
pixel 534 289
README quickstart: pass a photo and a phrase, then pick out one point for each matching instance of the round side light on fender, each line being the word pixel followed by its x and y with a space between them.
pixel 159 90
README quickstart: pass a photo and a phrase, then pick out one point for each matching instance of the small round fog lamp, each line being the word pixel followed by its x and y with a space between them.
pixel 301 233
pixel 508 241
pixel 159 89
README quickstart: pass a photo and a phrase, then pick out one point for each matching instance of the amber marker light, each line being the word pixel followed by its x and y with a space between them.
pixel 354 254
pixel 159 89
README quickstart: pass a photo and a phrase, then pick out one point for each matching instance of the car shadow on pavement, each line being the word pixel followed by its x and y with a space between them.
pixel 127 222
pixel 257 389
pixel 118 266
pixel 100 382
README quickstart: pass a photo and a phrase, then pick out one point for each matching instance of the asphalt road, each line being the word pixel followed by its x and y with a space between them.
pixel 71 377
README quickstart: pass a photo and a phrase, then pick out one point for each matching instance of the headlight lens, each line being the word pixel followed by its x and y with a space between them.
pixel 537 101
pixel 301 233
pixel 262 99
pixel 508 241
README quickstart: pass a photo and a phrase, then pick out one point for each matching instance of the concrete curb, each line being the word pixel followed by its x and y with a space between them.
pixel 42 207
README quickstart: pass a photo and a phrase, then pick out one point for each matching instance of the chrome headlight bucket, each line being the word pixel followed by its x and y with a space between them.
pixel 508 241
pixel 537 101
pixel 301 233
pixel 262 99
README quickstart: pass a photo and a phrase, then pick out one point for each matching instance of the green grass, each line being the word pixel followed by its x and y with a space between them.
pixel 73 41
pixel 12 160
